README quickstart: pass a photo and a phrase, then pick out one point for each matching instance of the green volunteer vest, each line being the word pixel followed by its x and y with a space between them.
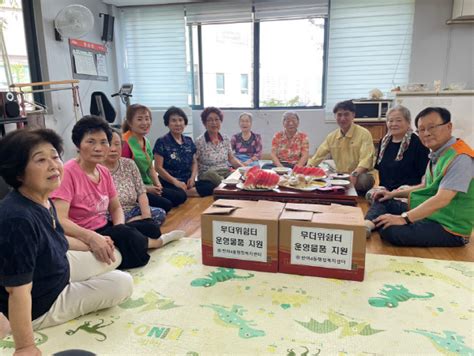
pixel 143 159
pixel 458 216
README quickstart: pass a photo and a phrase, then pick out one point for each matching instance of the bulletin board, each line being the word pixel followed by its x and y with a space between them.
pixel 88 60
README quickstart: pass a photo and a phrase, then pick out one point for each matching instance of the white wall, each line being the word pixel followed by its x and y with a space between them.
pixel 56 65
pixel 439 51
pixel 268 122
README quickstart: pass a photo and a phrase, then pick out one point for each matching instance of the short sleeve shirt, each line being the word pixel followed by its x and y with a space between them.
pixel 210 155
pixel 290 150
pixel 460 172
pixel 32 249
pixel 89 201
pixel 177 158
pixel 128 182
pixel 251 147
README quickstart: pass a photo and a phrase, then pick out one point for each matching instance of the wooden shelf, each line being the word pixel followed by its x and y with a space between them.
pixel 378 128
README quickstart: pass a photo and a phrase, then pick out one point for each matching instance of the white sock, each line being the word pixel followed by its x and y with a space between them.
pixel 171 236
pixel 369 226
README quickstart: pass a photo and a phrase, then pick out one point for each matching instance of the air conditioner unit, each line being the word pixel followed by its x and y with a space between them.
pixel 463 12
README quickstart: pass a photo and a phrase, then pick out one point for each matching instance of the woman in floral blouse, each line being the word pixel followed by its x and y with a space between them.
pixel 290 147
pixel 247 145
pixel 129 184
pixel 214 152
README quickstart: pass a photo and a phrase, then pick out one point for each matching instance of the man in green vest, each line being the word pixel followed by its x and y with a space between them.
pixel 440 210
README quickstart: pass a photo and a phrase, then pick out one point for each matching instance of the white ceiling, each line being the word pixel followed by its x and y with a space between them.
pixel 147 2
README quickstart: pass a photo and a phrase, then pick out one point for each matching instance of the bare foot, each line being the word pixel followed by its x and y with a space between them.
pixel 4 326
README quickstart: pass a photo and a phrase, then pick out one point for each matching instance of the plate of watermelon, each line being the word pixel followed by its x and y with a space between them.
pixel 314 172
pixel 259 180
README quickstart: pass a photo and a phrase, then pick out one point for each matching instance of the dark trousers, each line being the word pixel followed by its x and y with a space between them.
pixel 176 195
pixel 422 233
pixel 203 187
pixel 160 201
pixel 131 243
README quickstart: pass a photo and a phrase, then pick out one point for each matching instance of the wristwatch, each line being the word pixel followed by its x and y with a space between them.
pixel 355 174
pixel 405 216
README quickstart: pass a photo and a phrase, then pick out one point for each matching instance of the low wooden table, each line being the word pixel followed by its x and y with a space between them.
pixel 348 197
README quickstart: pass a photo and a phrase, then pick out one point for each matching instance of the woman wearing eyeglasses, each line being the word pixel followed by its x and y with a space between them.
pixel 214 151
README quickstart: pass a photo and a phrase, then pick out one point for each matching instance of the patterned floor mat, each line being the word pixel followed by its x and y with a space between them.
pixel 404 306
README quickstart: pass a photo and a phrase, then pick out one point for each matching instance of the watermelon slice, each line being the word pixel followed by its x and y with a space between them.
pixel 257 178
pixel 309 171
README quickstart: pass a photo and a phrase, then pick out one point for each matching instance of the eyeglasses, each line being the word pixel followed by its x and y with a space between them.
pixel 430 129
pixel 213 120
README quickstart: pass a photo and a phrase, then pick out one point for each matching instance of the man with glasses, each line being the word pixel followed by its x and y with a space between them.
pixel 350 146
pixel 441 209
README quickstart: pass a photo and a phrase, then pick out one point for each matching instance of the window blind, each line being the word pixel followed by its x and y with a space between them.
pixel 155 54
pixel 369 47
pixel 227 11
pixel 215 12
pixel 284 9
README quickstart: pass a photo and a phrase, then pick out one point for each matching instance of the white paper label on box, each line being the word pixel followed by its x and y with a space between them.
pixel 239 241
pixel 319 247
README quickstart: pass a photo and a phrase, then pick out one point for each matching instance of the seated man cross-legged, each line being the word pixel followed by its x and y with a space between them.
pixel 350 147
pixel 441 209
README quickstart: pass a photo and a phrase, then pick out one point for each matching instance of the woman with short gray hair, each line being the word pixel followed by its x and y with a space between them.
pixel 290 147
pixel 401 159
pixel 247 145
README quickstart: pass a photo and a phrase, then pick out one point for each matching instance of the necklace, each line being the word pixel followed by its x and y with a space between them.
pixel 51 213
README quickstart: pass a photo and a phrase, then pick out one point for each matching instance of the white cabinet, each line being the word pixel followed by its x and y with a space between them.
pixel 459 103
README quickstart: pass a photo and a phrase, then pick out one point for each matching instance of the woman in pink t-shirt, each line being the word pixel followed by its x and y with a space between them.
pixel 87 193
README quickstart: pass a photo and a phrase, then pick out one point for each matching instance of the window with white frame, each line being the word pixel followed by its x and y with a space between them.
pixel 14 65
pixel 268 53
pixel 280 46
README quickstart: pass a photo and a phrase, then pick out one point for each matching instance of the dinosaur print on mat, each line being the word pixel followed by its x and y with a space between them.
pixel 467 271
pixel 92 329
pixel 232 317
pixel 151 300
pixel 418 269
pixel 182 259
pixel 221 275
pixel 449 344
pixel 393 295
pixel 8 343
pixel 336 321
pixel 292 352
pixel 286 298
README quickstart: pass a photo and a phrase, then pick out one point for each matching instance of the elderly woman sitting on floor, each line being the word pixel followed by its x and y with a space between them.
pixel 247 145
pixel 129 184
pixel 289 147
pixel 41 284
pixel 401 160
pixel 214 152
pixel 87 193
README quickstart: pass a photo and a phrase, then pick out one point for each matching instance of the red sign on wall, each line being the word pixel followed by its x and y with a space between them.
pixel 88 45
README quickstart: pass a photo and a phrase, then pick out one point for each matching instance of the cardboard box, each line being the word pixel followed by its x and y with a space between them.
pixel 323 241
pixel 241 234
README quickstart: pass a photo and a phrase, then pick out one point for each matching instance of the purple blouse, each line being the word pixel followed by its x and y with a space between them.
pixel 251 147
